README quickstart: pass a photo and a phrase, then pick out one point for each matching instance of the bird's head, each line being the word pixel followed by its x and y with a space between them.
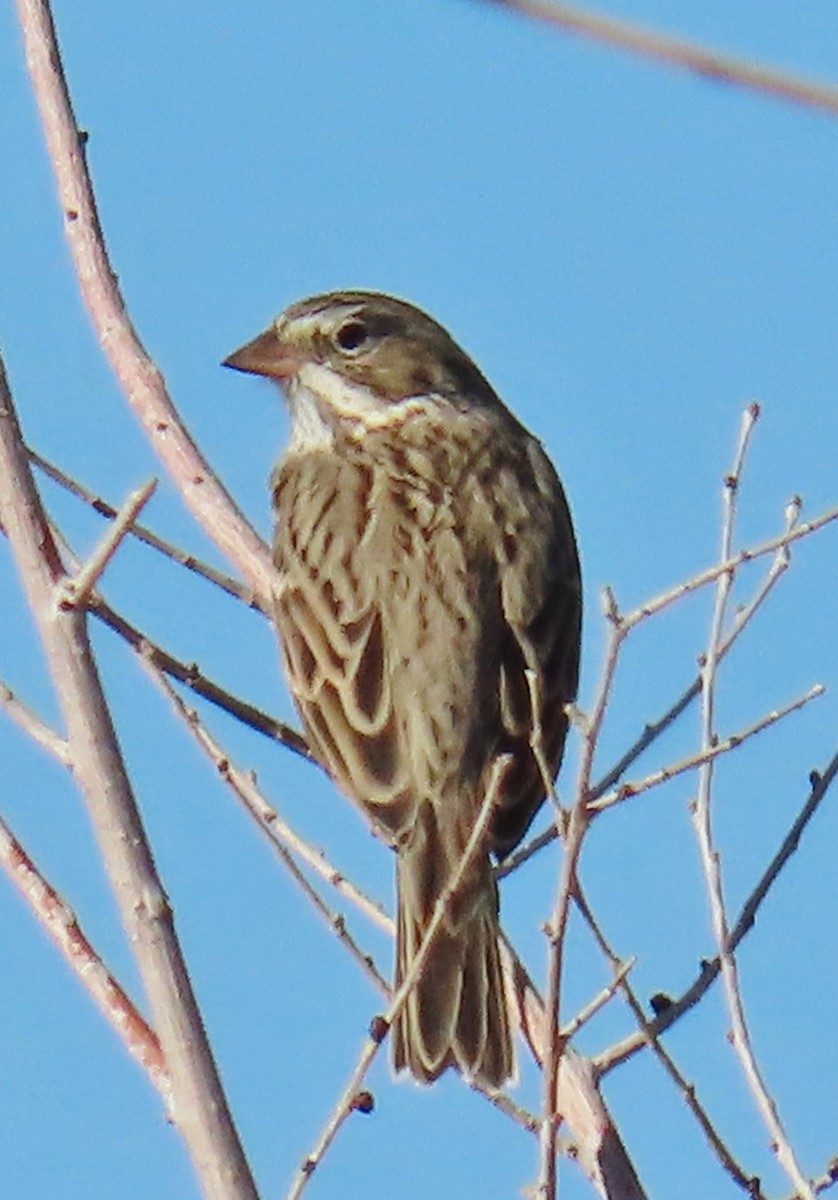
pixel 365 357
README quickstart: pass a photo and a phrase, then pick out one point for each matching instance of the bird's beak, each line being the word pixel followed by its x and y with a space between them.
pixel 265 355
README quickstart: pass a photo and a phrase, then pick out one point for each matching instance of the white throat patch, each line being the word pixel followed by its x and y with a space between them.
pixel 309 430
pixel 316 390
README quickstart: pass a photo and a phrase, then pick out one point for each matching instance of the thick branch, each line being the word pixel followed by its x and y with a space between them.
pixel 140 379
pixel 198 1104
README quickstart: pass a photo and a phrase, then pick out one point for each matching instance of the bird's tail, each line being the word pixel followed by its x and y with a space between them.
pixel 456 1015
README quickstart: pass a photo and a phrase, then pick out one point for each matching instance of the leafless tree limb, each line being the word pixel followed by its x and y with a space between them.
pixel 33 726
pixel 381 1026
pixel 198 1102
pixel 675 1009
pixel 636 787
pixel 282 838
pixel 555 1044
pixel 141 381
pixel 678 52
pixel 61 924
pixel 77 590
pixel 654 729
pixel 710 855
pixel 191 676
pixel 599 1001
pixel 780 543
pixel 225 582
pixel 648 1036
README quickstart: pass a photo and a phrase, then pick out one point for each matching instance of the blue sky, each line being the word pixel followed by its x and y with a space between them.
pixel 632 255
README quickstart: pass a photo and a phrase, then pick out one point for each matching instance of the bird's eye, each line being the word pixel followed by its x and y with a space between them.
pixel 351 335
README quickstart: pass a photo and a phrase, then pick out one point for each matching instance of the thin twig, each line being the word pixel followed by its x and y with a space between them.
pixel 732 564
pixel 654 729
pixel 573 840
pixel 574 835
pixel 648 1035
pixel 826 1181
pixel 75 592
pixel 665 774
pixel 742 619
pixel 532 675
pixel 599 1001
pixel 709 854
pixel 380 1027
pixel 625 1049
pixel 528 1121
pixel 60 922
pixel 268 819
pixel 227 584
pixel 191 676
pixel 677 52
pixel 255 804
pixel 33 726
pixel 595 1144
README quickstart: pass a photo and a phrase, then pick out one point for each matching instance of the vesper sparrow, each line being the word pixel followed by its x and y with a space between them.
pixel 428 589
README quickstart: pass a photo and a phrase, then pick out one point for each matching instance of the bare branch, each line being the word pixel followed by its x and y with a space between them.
pixel 710 856
pixel 381 1025
pixel 648 1036
pixel 555 1043
pixel 190 675
pixel 227 584
pixel 76 591
pixel 782 542
pixel 632 788
pixel 279 835
pixel 654 729
pixel 820 783
pixel 141 381
pixel 574 835
pixel 599 1001
pixel 595 1144
pixel 826 1181
pixel 197 1097
pixel 60 922
pixel 32 725
pixel 677 52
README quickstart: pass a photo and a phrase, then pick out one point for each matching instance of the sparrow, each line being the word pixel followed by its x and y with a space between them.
pixel 428 604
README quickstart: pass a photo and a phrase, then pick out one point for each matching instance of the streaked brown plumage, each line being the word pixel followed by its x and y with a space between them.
pixel 426 556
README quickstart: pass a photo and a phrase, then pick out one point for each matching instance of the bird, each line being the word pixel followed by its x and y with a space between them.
pixel 428 605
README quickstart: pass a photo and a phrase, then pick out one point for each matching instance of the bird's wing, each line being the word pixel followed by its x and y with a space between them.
pixel 332 634
pixel 541 601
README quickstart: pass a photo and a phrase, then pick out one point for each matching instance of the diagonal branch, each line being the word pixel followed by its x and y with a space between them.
pixel 77 591
pixel 636 787
pixel 677 52
pixel 654 729
pixel 198 1100
pixel 140 379
pixel 60 922
pixel 191 676
pixel 819 785
pixel 574 835
pixel 32 725
pixel 381 1025
pixel 284 843
pixel 649 1032
pixel 227 584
